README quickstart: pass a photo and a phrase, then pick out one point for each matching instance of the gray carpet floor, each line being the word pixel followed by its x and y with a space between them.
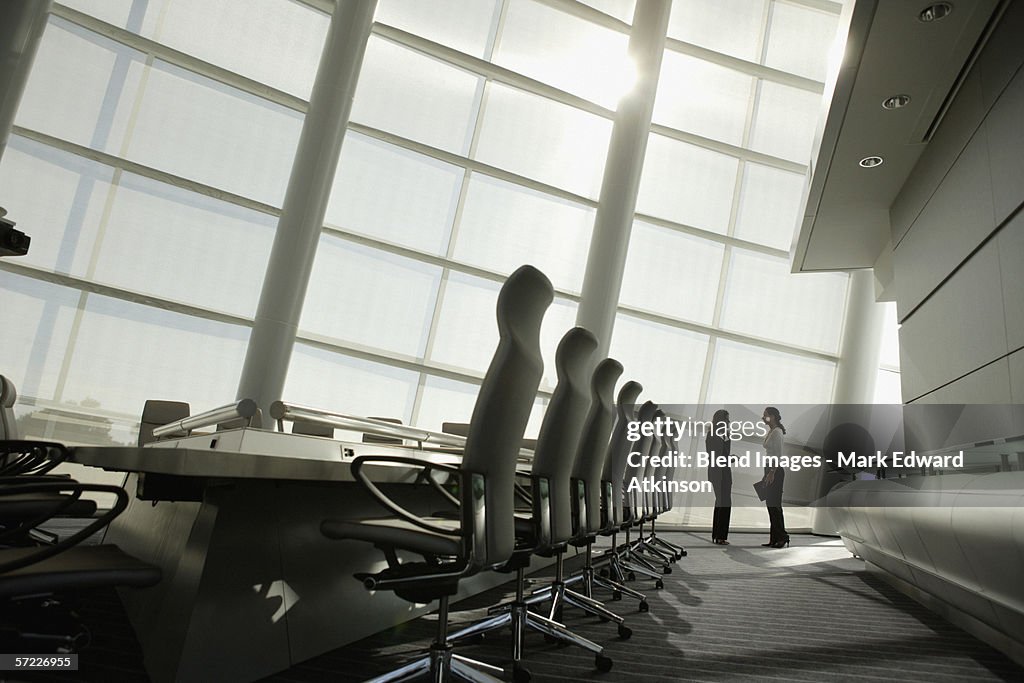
pixel 737 613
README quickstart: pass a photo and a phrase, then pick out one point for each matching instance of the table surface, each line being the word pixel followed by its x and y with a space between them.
pixel 255 453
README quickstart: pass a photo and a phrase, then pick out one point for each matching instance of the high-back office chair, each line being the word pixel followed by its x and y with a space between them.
pixel 30 575
pixel 547 530
pixel 663 505
pixel 586 490
pixel 484 537
pixel 8 395
pixel 612 497
pixel 156 413
pixel 648 502
pixel 629 559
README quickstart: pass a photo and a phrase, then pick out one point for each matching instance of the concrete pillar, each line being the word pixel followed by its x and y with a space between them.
pixel 857 369
pixel 606 261
pixel 305 204
pixel 21 28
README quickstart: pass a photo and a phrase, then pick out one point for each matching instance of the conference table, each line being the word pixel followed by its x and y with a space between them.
pixel 250 585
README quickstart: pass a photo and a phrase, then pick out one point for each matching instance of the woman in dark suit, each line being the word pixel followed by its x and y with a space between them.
pixel 774 478
pixel 717 444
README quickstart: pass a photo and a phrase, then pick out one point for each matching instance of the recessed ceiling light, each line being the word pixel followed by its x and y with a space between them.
pixel 871 162
pixel 939 10
pixel 896 101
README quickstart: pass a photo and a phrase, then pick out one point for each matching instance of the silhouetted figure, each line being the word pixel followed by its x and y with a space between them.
pixel 718 445
pixel 774 478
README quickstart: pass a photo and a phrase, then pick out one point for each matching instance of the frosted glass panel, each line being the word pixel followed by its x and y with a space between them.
pixel 620 9
pixel 741 373
pixel 544 140
pixel 126 353
pixel 702 98
pixel 799 40
pixel 156 233
pixel 270 41
pixel 35 325
pixel 771 201
pixel 763 299
pixel 467 333
pixel 687 184
pixel 415 96
pixel 447 400
pixel 394 195
pixel 80 72
pixel 333 381
pixel 729 26
pixel 504 226
pixel 890 355
pixel 461 24
pixel 669 362
pixel 368 297
pixel 671 273
pixel 204 131
pixel 116 12
pixel 785 121
pixel 63 220
pixel 569 53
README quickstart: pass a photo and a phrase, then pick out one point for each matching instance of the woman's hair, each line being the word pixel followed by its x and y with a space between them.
pixel 774 412
pixel 721 415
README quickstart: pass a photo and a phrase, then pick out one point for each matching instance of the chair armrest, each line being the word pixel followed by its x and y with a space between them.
pixel 32 457
pixel 395 508
pixel 103 520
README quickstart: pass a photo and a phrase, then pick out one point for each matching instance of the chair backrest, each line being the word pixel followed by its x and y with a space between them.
pixel 156 413
pixel 634 500
pixel 500 416
pixel 618 451
pixel 8 395
pixel 593 450
pixel 310 428
pixel 377 438
pixel 652 472
pixel 561 431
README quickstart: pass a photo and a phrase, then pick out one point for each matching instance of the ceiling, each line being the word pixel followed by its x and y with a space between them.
pixel 889 52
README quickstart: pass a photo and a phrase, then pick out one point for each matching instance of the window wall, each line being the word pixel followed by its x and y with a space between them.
pixel 152 149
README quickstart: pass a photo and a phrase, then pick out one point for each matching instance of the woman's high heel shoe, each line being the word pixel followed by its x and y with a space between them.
pixel 780 544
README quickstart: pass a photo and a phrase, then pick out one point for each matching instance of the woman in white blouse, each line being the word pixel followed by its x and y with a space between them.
pixel 774 477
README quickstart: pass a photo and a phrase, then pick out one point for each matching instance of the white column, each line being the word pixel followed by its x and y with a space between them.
pixel 21 28
pixel 614 221
pixel 305 203
pixel 857 369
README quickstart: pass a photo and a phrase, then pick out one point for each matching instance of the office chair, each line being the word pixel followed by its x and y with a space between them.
pixel 629 559
pixel 8 395
pixel 31 575
pixel 585 487
pixel 649 502
pixel 156 413
pixel 664 504
pixel 484 537
pixel 613 521
pixel 547 530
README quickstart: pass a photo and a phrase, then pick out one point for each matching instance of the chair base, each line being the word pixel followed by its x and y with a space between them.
pixel 442 665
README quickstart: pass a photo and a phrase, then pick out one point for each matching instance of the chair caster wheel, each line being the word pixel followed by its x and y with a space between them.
pixel 624 632
pixel 667 570
pixel 603 663
pixel 616 595
pixel 631 576
pixel 520 674
pixel 659 584
pixel 644 607
pixel 682 554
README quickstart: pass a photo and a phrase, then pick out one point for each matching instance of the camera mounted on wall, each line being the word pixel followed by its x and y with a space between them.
pixel 12 242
